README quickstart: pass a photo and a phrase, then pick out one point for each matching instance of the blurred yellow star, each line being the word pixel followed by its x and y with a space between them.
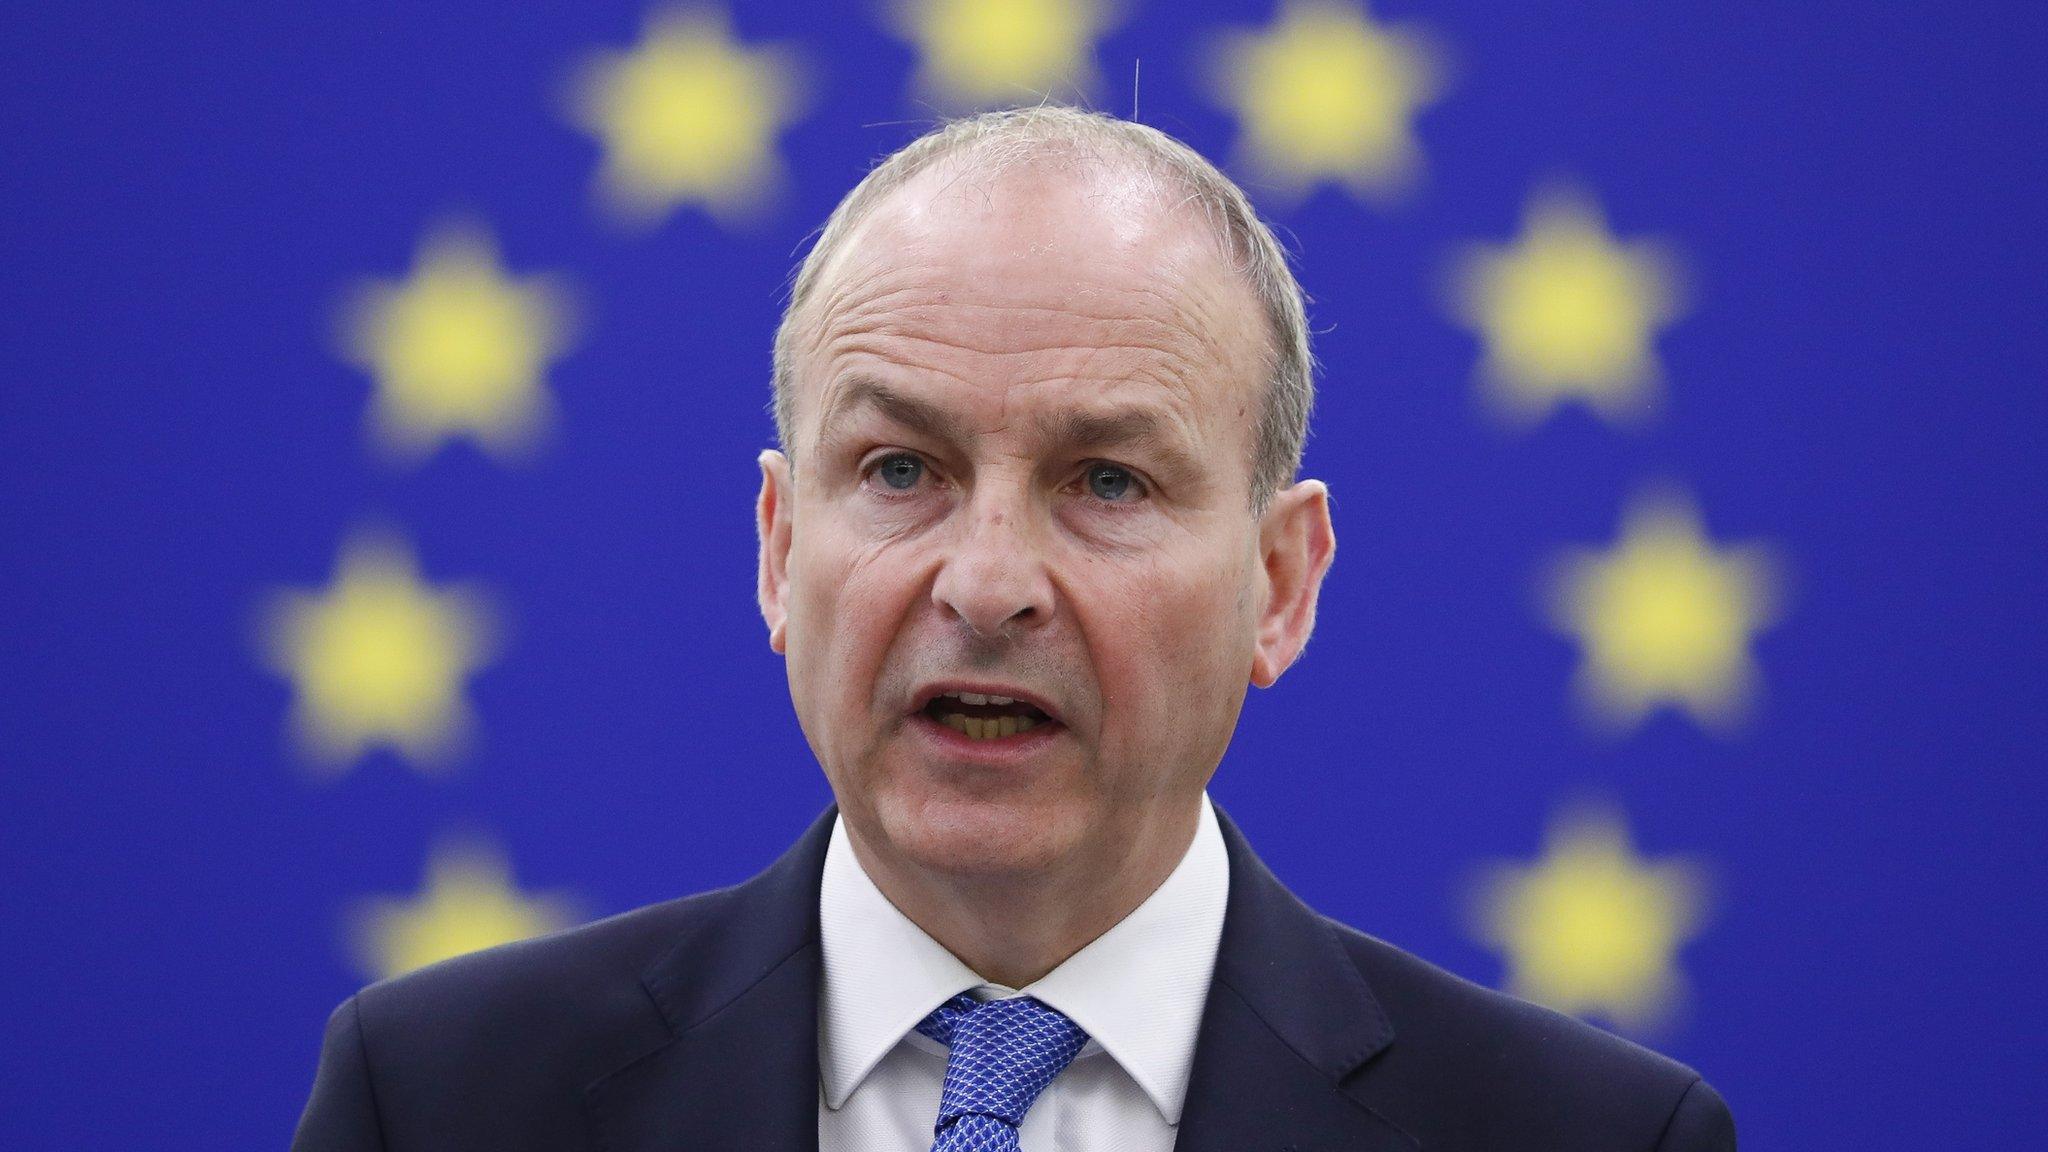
pixel 1568 312
pixel 459 348
pixel 1592 929
pixel 1665 618
pixel 688 116
pixel 982 52
pixel 1328 94
pixel 468 902
pixel 378 658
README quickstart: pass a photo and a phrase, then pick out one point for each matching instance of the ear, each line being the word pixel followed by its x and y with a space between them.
pixel 1296 545
pixel 772 515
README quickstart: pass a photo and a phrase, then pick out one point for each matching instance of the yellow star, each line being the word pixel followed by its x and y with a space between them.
pixel 689 116
pixel 1665 618
pixel 468 902
pixel 378 659
pixel 1591 929
pixel 1328 94
pixel 459 348
pixel 1568 312
pixel 982 52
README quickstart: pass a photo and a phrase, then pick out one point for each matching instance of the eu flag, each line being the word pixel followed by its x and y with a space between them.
pixel 380 386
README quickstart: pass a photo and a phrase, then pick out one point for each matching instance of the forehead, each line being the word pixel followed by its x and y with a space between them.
pixel 1038 282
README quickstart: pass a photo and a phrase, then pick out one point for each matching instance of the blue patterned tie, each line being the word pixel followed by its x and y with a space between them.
pixel 1004 1053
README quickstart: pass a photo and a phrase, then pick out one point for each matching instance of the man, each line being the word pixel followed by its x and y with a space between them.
pixel 1042 387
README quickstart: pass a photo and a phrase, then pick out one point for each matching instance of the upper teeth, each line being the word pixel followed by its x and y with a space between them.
pixel 978 698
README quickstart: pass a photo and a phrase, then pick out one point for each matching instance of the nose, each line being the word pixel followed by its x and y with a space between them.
pixel 994 579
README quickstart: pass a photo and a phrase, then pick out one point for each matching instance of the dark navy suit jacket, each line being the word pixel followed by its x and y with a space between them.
pixel 693 1025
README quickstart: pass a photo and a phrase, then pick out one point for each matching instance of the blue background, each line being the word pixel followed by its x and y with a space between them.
pixel 189 191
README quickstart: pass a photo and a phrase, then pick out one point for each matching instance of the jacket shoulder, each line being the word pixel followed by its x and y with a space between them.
pixel 1471 1066
pixel 535 1020
pixel 503 1049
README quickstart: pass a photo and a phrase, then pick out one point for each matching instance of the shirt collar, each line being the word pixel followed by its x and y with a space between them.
pixel 1138 989
pixel 882 974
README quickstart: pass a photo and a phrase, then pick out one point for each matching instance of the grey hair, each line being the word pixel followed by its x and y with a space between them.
pixel 995 140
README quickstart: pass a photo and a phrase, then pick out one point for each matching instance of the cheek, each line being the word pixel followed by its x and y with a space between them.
pixel 848 598
pixel 1176 642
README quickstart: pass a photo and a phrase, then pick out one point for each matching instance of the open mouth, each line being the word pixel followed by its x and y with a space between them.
pixel 982 717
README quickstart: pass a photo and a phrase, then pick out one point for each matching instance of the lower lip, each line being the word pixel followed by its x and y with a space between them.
pixel 1000 752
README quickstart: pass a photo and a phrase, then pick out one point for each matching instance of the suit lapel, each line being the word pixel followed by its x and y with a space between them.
pixel 1286 1035
pixel 739 994
pixel 1288 1029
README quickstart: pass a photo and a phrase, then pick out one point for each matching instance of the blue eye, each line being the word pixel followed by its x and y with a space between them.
pixel 1109 482
pixel 901 471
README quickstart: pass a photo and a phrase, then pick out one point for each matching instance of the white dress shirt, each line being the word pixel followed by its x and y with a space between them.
pixel 1137 990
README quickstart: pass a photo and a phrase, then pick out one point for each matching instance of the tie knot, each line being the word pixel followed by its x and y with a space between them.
pixel 1004 1053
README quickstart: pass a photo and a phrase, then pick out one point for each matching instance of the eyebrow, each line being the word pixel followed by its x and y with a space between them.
pixel 1083 431
pixel 917 415
pixel 1123 428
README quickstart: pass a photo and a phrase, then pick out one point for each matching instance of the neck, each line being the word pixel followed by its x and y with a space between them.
pixel 1013 928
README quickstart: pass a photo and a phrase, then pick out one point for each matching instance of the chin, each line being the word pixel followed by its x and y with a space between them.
pixel 986 836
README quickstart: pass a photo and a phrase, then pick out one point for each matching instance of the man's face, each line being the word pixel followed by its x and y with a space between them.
pixel 1020 470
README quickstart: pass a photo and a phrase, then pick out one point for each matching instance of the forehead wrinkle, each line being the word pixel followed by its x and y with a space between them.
pixel 1171 316
pixel 854 391
pixel 1160 423
pixel 1014 329
pixel 888 257
pixel 853 299
pixel 1101 372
